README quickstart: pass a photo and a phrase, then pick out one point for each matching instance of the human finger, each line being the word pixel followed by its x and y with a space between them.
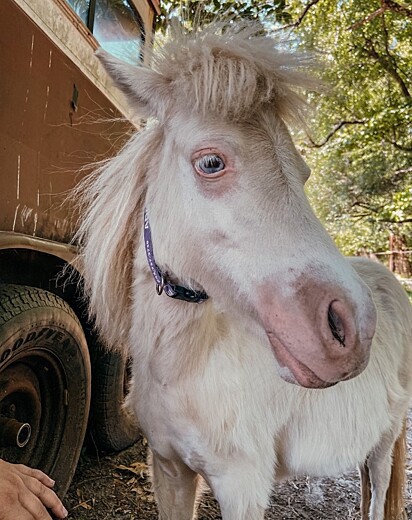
pixel 47 498
pixel 33 507
pixel 37 474
pixel 18 512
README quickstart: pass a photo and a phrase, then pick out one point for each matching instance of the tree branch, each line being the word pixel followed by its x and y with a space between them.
pixel 386 5
pixel 401 146
pixel 397 8
pixel 361 216
pixel 387 64
pixel 301 16
pixel 368 18
pixel 366 206
pixel 337 127
pixel 402 171
pixel 392 221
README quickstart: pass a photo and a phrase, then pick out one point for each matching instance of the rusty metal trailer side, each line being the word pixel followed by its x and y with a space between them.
pixel 58 113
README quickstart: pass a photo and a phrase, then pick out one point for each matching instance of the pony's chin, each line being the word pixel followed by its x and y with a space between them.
pixel 292 370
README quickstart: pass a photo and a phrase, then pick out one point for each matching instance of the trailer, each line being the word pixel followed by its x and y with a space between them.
pixel 58 114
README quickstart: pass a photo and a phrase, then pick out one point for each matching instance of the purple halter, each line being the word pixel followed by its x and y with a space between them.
pixel 162 283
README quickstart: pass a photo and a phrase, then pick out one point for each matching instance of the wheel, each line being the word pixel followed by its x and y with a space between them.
pixel 112 426
pixel 45 381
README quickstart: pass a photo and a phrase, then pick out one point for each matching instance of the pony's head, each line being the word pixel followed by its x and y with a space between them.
pixel 224 189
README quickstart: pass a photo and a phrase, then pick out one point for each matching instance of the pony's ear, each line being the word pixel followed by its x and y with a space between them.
pixel 147 91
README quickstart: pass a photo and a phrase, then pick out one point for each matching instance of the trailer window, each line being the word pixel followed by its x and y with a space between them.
pixel 115 24
pixel 81 8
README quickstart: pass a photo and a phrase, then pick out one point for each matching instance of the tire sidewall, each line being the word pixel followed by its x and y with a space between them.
pixel 57 332
pixel 113 425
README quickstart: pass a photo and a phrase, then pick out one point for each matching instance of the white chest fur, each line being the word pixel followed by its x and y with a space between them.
pixel 235 405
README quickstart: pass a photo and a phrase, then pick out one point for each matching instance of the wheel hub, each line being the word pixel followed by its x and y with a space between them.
pixel 14 433
pixel 20 407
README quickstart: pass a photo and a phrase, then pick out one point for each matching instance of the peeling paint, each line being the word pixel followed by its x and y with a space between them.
pixel 25 106
pixel 41 224
pixel 15 216
pixel 35 223
pixel 31 50
pixel 18 177
pixel 47 102
pixel 25 215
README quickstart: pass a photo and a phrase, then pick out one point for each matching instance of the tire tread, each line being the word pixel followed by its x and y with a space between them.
pixel 16 299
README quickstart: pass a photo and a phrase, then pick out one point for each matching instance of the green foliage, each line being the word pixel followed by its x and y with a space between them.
pixel 360 142
pixel 193 11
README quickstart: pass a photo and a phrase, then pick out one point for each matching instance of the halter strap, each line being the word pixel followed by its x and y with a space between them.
pixel 162 282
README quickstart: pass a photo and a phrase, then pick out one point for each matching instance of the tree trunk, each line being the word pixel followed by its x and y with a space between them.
pixel 399 258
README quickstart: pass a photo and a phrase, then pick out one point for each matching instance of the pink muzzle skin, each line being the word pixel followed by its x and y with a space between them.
pixel 321 344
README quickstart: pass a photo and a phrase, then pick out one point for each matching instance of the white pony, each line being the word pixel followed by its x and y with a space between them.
pixel 228 225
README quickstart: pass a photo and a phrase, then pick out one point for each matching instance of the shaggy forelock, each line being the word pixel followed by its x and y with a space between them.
pixel 232 71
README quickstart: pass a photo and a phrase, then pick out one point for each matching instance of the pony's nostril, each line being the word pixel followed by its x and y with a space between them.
pixel 336 325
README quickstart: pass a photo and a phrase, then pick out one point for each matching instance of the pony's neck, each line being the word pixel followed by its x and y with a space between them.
pixel 174 336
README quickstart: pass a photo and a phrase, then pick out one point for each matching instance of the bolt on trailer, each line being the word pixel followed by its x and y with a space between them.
pixel 59 113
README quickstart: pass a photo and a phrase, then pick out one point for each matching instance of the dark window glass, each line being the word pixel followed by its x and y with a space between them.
pixel 81 7
pixel 115 25
pixel 118 29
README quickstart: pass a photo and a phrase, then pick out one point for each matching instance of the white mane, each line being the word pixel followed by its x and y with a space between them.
pixel 232 70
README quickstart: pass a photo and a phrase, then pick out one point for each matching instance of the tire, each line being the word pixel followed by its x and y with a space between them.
pixel 113 427
pixel 45 381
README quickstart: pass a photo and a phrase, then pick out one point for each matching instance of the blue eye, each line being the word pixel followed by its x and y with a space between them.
pixel 209 164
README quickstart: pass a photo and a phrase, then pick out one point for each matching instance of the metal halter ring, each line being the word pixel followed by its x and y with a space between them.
pixel 160 286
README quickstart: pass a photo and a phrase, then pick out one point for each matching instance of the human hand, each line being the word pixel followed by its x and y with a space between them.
pixel 26 494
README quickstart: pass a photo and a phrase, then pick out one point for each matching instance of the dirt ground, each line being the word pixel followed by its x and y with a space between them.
pixel 117 487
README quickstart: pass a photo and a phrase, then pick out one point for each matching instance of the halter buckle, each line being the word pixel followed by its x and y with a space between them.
pixel 160 286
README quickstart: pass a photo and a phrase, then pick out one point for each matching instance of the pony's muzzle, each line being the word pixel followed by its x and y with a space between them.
pixel 318 336
pixel 347 334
